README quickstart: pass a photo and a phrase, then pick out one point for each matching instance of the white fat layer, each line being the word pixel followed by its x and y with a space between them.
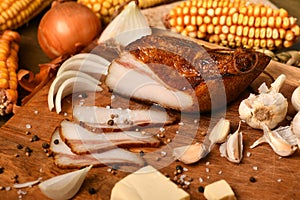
pixel 101 115
pixel 141 83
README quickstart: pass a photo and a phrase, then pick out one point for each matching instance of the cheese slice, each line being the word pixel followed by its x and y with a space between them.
pixel 219 190
pixel 147 184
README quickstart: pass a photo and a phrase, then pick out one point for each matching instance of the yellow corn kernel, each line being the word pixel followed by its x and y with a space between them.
pixel 17 13
pixel 238 23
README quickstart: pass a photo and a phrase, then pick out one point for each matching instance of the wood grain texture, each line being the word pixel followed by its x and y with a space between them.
pixel 277 178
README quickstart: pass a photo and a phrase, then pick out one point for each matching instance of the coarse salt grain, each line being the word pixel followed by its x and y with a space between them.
pixel 279 180
pixel 201 180
pixel 185 169
pixel 220 172
pixel 180 123
pixel 248 154
pixel 36 112
pixel 162 129
pixel 207 163
pixel 28 126
pixel 207 170
pixel 255 168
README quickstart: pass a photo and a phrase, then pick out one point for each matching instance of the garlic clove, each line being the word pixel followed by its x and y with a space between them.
pixel 190 154
pixel 60 79
pixel 64 186
pixel 89 63
pixel 282 140
pixel 295 99
pixel 295 127
pixel 220 131
pixel 129 25
pixel 269 107
pixel 72 85
pixel 232 149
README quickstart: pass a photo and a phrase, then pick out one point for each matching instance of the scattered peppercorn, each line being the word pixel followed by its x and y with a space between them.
pixel 110 122
pixel 19 146
pixel 252 179
pixel 27 149
pixel 34 138
pixel 45 145
pixel 201 189
pixel 179 167
pixel 1 170
pixel 56 141
pixel 92 190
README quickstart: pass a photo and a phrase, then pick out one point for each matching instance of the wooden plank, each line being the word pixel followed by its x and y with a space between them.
pixel 276 177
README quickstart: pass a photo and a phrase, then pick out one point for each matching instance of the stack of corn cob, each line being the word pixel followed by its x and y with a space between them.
pixel 106 9
pixel 234 23
pixel 9 48
pixel 15 13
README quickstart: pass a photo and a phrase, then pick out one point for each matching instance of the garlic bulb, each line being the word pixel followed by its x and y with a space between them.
pixel 232 149
pixel 64 186
pixel 131 22
pixel 295 127
pixel 295 99
pixel 269 107
pixel 282 140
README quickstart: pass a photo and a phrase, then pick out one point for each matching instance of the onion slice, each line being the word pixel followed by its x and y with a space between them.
pixel 129 25
pixel 85 62
pixel 58 81
pixel 74 84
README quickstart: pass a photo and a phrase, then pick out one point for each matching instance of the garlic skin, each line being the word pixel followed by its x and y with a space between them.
pixel 269 107
pixel 64 186
pixel 282 140
pixel 295 99
pixel 232 149
pixel 295 127
pixel 131 22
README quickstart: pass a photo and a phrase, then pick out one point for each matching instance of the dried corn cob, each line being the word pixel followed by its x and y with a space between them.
pixel 234 23
pixel 15 13
pixel 9 48
pixel 106 9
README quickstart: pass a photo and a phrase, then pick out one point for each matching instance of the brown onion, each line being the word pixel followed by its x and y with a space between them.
pixel 67 28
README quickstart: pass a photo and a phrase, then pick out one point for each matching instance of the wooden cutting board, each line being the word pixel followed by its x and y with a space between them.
pixel 277 178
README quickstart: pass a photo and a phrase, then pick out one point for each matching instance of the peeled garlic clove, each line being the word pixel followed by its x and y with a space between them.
pixel 295 99
pixel 74 84
pixel 62 78
pixel 127 27
pixel 269 107
pixel 282 140
pixel 220 131
pixel 232 149
pixel 190 153
pixel 64 186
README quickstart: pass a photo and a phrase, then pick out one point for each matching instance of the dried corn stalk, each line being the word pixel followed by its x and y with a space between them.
pixel 15 13
pixel 234 23
pixel 9 48
pixel 106 9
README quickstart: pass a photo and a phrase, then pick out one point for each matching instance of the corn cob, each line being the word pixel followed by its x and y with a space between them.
pixel 107 9
pixel 9 48
pixel 15 13
pixel 234 23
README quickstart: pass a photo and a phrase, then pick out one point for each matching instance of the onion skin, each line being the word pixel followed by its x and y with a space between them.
pixel 67 28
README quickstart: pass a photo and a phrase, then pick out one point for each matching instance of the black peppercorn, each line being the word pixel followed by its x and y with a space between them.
pixel 1 170
pixel 35 138
pixel 45 145
pixel 92 190
pixel 56 141
pixel 110 122
pixel 252 179
pixel 142 153
pixel 179 167
pixel 201 189
pixel 27 149
pixel 19 146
